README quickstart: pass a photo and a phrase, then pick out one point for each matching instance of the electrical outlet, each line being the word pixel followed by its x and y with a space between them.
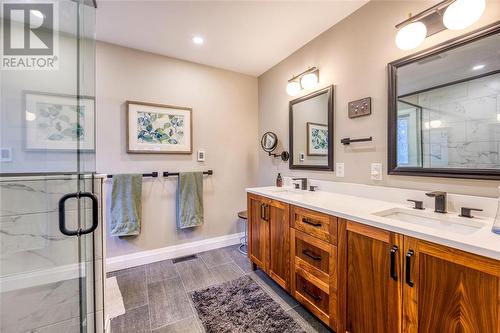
pixel 376 171
pixel 339 169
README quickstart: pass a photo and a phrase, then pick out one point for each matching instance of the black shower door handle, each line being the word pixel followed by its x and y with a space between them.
pixel 62 213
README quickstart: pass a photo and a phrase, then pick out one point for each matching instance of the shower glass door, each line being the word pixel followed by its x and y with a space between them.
pixel 50 219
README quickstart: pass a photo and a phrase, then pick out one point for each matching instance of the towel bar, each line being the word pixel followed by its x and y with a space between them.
pixel 167 174
pixel 152 174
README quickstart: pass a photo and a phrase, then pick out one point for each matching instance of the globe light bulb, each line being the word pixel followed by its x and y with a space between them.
pixel 411 36
pixel 463 13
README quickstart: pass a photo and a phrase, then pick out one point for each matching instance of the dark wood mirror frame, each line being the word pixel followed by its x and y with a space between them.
pixel 329 91
pixel 392 67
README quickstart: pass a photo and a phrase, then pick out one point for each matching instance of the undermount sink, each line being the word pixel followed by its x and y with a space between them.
pixel 285 190
pixel 447 222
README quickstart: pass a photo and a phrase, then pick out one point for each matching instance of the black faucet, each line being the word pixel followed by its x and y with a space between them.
pixel 440 201
pixel 303 182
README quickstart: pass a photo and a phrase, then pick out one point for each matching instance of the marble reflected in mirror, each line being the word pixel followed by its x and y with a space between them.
pixel 446 110
pixel 311 131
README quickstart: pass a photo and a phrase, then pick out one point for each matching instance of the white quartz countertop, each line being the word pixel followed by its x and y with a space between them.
pixel 481 241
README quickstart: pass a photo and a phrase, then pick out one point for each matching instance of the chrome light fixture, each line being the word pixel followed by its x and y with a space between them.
pixel 308 79
pixel 448 14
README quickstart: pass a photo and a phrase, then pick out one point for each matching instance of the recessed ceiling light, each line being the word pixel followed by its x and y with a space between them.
pixel 478 67
pixel 198 40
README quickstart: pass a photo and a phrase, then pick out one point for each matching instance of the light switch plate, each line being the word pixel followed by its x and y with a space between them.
pixel 361 107
pixel 376 171
pixel 339 169
pixel 201 156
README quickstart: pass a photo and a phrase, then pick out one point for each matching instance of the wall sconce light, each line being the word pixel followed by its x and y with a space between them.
pixel 308 79
pixel 448 14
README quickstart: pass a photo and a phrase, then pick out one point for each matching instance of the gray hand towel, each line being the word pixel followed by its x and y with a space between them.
pixel 190 200
pixel 126 205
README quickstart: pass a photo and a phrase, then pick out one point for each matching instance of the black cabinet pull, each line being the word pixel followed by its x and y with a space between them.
pixel 62 213
pixel 409 281
pixel 311 255
pixel 262 211
pixel 268 212
pixel 311 222
pixel 394 276
pixel 310 294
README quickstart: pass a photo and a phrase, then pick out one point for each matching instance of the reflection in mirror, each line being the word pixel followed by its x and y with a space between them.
pixel 269 142
pixel 448 110
pixel 311 131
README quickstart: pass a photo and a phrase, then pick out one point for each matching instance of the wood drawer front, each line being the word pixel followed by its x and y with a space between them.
pixel 315 259
pixel 312 255
pixel 316 224
pixel 312 297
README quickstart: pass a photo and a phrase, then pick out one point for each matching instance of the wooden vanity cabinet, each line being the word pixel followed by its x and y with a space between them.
pixel 258 232
pixel 313 253
pixel 268 237
pixel 371 278
pixel 448 290
pixel 396 283
pixel 358 279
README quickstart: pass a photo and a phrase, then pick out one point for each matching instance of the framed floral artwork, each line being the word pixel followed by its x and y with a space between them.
pixel 317 139
pixel 157 128
pixel 59 122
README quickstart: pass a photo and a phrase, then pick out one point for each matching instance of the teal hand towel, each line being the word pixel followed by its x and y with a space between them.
pixel 190 200
pixel 126 205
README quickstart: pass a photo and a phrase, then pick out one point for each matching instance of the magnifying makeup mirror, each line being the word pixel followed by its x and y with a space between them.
pixel 269 142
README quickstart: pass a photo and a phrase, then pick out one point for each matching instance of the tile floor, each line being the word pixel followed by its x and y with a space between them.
pixel 156 295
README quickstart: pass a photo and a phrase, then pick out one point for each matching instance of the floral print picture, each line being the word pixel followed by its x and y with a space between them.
pixel 154 128
pixel 317 139
pixel 59 122
pixel 158 128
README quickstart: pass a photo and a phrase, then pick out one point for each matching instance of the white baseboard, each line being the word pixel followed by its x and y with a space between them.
pixel 169 252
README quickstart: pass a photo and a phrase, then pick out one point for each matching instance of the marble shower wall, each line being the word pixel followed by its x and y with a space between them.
pixel 461 125
pixel 39 284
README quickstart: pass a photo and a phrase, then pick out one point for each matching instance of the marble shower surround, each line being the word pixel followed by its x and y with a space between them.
pixel 469 135
pixel 38 271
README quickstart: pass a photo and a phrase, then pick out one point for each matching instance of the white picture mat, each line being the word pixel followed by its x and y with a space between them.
pixel 134 145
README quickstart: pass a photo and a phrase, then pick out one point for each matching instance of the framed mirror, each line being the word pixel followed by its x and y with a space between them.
pixel 444 109
pixel 311 131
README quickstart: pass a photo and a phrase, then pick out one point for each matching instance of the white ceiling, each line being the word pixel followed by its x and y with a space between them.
pixel 244 36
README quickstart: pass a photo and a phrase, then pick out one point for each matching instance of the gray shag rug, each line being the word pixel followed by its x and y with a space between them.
pixel 241 306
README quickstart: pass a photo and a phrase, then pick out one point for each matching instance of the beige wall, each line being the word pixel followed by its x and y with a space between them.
pixel 224 125
pixel 353 56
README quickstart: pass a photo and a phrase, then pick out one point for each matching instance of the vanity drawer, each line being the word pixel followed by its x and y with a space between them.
pixel 315 259
pixel 313 298
pixel 314 275
pixel 316 224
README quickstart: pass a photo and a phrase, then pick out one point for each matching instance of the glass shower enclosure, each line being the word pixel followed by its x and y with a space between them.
pixel 51 274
